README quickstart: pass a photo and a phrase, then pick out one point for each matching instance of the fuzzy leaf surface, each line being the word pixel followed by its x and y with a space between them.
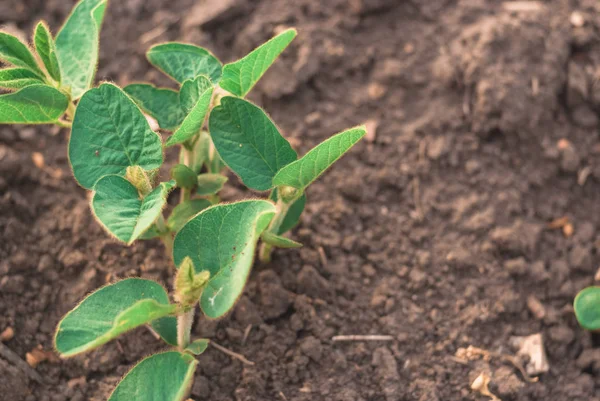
pixel 109 134
pixel 249 142
pixel 17 78
pixel 121 212
pixel 210 184
pixel 15 52
pixel 161 377
pixel 239 77
pixel 183 61
pixel 34 104
pixel 46 49
pixel 184 211
pixel 222 240
pixel 194 96
pixel 77 45
pixel 292 217
pixel 160 103
pixel 109 312
pixel 309 167
pixel 587 308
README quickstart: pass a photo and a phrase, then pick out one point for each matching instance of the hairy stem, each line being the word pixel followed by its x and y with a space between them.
pixel 282 208
pixel 184 328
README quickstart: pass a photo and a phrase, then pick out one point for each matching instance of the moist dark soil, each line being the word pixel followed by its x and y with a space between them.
pixel 483 119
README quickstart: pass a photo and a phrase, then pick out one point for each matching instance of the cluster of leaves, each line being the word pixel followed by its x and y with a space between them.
pixel 114 152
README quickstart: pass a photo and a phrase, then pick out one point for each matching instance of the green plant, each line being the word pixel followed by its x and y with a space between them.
pixel 587 308
pixel 114 152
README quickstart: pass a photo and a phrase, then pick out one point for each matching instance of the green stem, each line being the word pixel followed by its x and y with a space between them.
pixel 71 111
pixel 184 328
pixel 281 209
pixel 187 157
pixel 166 238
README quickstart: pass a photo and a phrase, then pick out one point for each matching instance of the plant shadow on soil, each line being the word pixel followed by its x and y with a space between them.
pixel 433 231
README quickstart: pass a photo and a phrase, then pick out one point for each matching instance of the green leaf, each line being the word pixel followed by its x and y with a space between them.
pixel 249 142
pixel 587 308
pixel 279 241
pixel 195 96
pixel 292 217
pixel 201 153
pixel 166 328
pixel 34 104
pixel 109 312
pixel 222 240
pixel 183 176
pixel 239 77
pixel 109 134
pixel 162 377
pixel 17 78
pixel 184 211
pixel 182 61
pixel 46 49
pixel 14 52
pixel 118 207
pixel 210 184
pixel 150 233
pixel 77 45
pixel 198 346
pixel 160 103
pixel 309 167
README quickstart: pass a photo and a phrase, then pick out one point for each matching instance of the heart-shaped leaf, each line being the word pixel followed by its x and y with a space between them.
pixel 292 217
pixel 46 49
pixel 109 134
pixel 279 241
pixel 34 104
pixel 222 240
pixel 160 103
pixel 183 176
pixel 118 207
pixel 109 312
pixel 239 77
pixel 161 377
pixel 182 61
pixel 184 211
pixel 14 52
pixel 194 96
pixel 309 167
pixel 198 346
pixel 249 142
pixel 587 308
pixel 17 78
pixel 77 45
pixel 210 184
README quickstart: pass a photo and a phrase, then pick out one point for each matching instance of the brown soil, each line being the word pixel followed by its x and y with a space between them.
pixel 434 231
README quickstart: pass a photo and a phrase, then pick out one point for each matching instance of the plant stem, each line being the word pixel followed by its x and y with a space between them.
pixel 71 111
pixel 282 208
pixel 166 238
pixel 187 156
pixel 184 328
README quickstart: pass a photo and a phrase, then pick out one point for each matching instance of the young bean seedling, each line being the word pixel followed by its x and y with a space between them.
pixel 114 153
